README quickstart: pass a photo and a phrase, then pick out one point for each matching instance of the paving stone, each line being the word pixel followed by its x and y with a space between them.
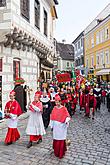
pixel 89 144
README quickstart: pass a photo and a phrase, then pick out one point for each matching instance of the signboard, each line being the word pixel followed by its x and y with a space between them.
pixel 65 77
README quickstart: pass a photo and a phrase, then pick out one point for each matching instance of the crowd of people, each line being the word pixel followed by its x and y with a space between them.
pixel 54 106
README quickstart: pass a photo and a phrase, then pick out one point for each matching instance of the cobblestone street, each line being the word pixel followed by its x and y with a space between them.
pixel 90 144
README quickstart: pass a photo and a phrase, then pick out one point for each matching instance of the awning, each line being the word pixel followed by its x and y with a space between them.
pixel 103 72
pixel 47 63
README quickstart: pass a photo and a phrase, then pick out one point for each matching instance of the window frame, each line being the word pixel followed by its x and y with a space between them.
pixel 15 61
pixel 107 53
pixel 45 23
pixel 25 12
pixel 67 64
pixel 37 14
pixel 2 3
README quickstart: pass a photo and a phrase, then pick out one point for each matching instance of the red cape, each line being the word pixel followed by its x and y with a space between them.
pixel 13 107
pixel 59 114
pixel 37 104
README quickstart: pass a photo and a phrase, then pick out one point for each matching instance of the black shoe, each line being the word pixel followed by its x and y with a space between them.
pixel 39 141
pixel 7 144
pixel 92 118
pixel 29 145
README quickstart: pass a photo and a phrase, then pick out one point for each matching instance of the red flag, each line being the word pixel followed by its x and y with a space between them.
pixel 65 77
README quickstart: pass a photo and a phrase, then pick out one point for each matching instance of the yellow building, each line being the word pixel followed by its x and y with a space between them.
pixel 97 49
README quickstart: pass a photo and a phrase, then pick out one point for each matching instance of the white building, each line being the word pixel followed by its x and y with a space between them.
pixel 64 59
pixel 26 42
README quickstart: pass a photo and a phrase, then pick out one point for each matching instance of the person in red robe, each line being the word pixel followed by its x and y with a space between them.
pixel 87 109
pixel 92 103
pixel 12 111
pixel 59 121
pixel 82 99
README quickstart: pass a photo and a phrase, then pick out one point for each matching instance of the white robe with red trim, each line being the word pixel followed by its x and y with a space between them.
pixel 59 123
pixel 59 129
pixel 35 124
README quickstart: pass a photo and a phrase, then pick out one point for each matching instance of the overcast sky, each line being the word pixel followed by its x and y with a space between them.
pixel 75 15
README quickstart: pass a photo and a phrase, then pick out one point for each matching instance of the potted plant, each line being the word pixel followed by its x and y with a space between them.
pixel 19 81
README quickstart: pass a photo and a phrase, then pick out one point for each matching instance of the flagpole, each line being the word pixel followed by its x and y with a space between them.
pixel 73 73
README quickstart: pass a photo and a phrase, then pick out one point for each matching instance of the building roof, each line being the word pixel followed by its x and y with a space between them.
pixel 78 37
pixel 66 51
pixel 100 22
pixel 101 16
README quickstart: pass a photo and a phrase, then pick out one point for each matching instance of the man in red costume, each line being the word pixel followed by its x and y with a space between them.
pixel 82 99
pixel 92 103
pixel 12 111
pixel 59 122
pixel 35 127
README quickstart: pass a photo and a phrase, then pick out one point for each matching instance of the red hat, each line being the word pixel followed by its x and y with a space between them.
pixel 12 92
pixel 57 97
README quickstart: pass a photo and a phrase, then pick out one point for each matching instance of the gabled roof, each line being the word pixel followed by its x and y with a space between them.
pixel 66 51
pixel 78 37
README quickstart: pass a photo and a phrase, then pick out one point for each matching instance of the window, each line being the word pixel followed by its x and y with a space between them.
pixel 97 38
pixel 106 33
pixel 97 59
pixel 16 69
pixel 78 44
pixel 107 57
pixel 2 3
pixel 82 60
pixel 37 14
pixel 102 58
pixel 102 36
pixel 67 64
pixel 76 47
pixel 92 61
pixel 87 42
pixel 87 63
pixel 25 9
pixel 92 41
pixel 78 61
pixel 81 42
pixel 45 22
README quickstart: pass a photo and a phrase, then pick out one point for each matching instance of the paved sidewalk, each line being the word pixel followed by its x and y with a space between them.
pixel 90 144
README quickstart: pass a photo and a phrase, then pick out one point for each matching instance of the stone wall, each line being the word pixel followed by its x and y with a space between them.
pixel 29 70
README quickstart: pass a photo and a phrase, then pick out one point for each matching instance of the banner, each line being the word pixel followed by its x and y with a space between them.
pixel 65 77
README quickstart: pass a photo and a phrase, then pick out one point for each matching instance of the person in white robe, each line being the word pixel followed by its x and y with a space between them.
pixel 35 126
pixel 59 122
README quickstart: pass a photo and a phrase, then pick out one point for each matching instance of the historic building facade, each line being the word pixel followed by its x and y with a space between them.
pixel 97 46
pixel 64 57
pixel 78 44
pixel 26 42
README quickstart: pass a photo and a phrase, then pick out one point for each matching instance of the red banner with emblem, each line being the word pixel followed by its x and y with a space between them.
pixel 65 77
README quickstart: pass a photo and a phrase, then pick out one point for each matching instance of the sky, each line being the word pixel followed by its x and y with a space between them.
pixel 74 16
